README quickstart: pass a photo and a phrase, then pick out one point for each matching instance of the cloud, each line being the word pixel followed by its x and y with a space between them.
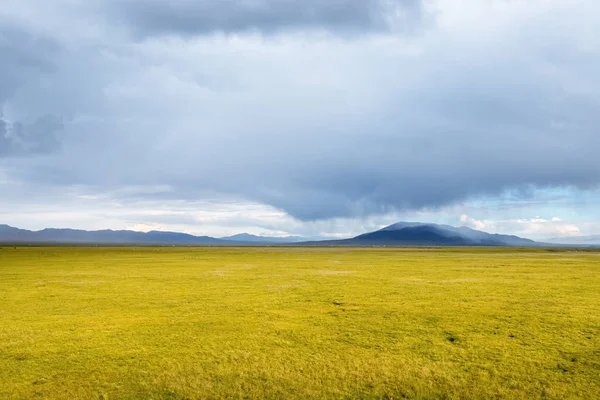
pixel 546 228
pixel 145 227
pixel 22 55
pixel 25 58
pixel 192 17
pixel 487 98
pixel 37 137
pixel 535 227
pixel 473 223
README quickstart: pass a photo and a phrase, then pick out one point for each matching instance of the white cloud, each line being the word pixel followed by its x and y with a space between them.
pixel 536 227
pixel 145 227
pixel 473 223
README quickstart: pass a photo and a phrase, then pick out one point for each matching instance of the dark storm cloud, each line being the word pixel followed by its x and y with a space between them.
pixel 37 137
pixel 25 58
pixel 21 54
pixel 191 17
pixel 488 99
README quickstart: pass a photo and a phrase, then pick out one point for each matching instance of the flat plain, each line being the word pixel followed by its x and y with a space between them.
pixel 298 323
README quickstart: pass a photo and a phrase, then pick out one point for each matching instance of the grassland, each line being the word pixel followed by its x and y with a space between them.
pixel 286 323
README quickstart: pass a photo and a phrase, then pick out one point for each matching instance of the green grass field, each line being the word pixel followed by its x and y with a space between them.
pixel 298 323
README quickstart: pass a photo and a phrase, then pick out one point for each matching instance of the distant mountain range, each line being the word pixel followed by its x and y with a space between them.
pixel 399 234
pixel 9 234
pixel 577 240
pixel 248 238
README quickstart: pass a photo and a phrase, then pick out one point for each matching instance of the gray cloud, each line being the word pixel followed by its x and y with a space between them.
pixel 21 55
pixel 37 137
pixel 25 58
pixel 485 100
pixel 192 17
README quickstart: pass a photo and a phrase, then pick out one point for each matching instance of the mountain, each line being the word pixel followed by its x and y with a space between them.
pixel 248 238
pixel 14 234
pixel 593 240
pixel 422 234
pixel 8 234
pixel 399 234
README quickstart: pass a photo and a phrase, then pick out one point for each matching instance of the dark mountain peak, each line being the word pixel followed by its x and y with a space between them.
pixel 419 233
pixel 413 234
pixel 402 225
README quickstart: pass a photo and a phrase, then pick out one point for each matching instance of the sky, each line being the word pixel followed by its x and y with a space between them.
pixel 300 117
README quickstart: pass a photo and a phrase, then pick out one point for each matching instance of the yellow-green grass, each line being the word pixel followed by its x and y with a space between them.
pixel 298 323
